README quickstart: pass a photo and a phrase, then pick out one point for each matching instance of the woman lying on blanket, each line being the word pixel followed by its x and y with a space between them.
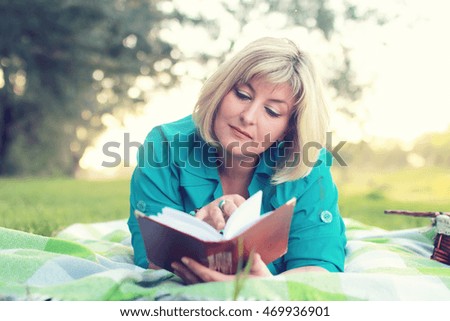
pixel 263 112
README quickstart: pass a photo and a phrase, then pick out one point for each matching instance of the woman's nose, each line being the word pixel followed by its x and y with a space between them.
pixel 249 114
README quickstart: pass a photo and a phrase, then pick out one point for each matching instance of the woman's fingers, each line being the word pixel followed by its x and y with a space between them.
pixel 213 216
pixel 259 268
pixel 228 208
pixel 204 273
pixel 238 199
pixel 184 273
pixel 219 211
pixel 153 266
pixel 229 204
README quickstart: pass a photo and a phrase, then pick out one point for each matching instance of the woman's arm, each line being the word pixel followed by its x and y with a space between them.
pixel 306 269
pixel 317 235
pixel 154 184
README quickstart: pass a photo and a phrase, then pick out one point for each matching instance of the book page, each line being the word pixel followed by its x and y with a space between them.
pixel 244 216
pixel 188 224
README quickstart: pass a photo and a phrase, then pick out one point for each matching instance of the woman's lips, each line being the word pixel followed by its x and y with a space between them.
pixel 241 132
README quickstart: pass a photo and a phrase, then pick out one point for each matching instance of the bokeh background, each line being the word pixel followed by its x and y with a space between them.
pixel 81 81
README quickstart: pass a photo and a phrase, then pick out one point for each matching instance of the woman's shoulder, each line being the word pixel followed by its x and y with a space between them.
pixel 320 168
pixel 320 173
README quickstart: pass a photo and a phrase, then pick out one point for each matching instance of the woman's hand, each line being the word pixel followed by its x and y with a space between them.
pixel 153 266
pixel 217 216
pixel 193 272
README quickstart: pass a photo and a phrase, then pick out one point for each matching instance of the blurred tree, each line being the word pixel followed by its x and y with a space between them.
pixel 364 156
pixel 358 155
pixel 317 17
pixel 63 65
pixel 67 64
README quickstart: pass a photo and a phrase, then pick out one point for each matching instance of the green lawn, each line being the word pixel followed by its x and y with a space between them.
pixel 44 206
pixel 364 195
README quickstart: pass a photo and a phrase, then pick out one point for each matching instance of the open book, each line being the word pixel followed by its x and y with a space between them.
pixel 173 234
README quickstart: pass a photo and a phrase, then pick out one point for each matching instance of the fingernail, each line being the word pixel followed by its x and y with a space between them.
pixel 185 260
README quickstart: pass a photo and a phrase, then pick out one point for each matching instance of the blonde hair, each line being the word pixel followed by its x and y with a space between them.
pixel 278 61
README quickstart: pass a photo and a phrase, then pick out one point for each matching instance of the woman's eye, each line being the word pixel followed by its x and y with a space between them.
pixel 241 95
pixel 271 112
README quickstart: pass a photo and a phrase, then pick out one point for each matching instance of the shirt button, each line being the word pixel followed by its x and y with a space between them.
pixel 326 217
pixel 141 206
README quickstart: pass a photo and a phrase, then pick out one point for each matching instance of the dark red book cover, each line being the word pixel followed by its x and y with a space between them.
pixel 268 236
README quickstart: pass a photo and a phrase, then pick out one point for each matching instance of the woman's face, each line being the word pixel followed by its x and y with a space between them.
pixel 252 116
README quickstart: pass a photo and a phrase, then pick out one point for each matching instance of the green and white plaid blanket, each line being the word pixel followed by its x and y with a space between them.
pixel 94 262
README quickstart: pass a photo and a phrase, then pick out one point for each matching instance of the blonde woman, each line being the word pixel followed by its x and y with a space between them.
pixel 260 123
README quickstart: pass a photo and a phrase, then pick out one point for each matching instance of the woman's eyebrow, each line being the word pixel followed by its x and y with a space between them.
pixel 247 85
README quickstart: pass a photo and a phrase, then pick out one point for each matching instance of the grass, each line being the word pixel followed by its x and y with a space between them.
pixel 364 195
pixel 44 206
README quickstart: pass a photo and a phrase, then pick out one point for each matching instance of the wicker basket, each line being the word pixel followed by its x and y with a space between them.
pixel 441 251
pixel 441 221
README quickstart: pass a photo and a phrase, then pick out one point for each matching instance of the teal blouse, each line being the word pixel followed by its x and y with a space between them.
pixel 176 168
